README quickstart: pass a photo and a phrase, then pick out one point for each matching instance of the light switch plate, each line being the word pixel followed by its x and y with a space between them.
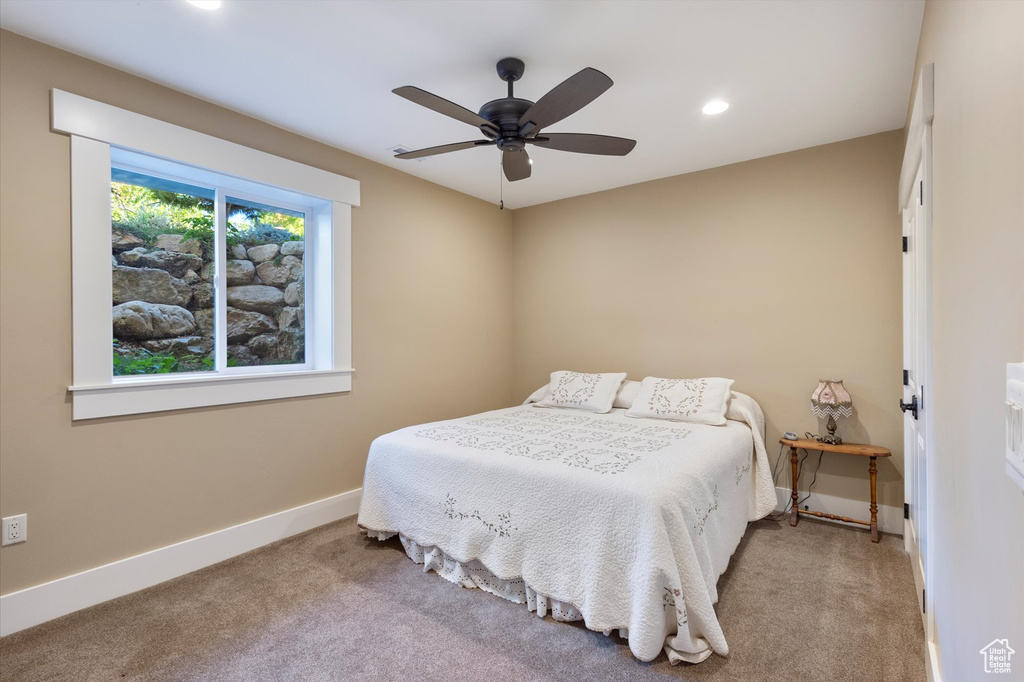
pixel 15 529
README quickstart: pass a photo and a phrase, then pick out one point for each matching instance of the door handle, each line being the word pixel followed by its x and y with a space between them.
pixel 911 406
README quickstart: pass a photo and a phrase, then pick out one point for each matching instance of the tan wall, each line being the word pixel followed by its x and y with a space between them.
pixel 695 275
pixel 431 340
pixel 978 316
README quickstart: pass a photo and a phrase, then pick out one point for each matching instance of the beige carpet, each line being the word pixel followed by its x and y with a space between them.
pixel 817 602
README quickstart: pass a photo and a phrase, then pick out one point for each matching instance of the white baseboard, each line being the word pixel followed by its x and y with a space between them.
pixel 932 669
pixel 890 519
pixel 38 604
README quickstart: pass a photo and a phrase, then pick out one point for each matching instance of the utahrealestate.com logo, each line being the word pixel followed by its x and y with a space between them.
pixel 997 656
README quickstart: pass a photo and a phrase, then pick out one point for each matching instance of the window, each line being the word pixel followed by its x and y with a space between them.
pixel 223 274
pixel 171 236
pixel 164 260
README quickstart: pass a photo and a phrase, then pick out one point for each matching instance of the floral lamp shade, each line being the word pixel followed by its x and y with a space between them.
pixel 831 399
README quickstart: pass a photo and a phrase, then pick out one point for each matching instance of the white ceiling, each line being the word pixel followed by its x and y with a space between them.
pixel 796 73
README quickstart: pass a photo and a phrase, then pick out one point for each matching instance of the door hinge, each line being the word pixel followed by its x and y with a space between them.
pixel 906 377
pixel 920 403
pixel 921 185
pixel 906 510
pixel 924 602
pixel 906 245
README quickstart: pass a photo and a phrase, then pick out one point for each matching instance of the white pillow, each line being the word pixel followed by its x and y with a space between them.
pixel 623 399
pixel 627 394
pixel 588 392
pixel 702 401
pixel 537 395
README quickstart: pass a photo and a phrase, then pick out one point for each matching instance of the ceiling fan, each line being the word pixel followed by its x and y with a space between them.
pixel 512 123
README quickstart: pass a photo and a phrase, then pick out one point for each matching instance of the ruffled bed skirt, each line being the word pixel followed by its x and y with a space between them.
pixel 474 574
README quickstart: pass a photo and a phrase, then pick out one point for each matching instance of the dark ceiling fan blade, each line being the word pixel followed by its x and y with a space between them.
pixel 442 106
pixel 443 149
pixel 584 143
pixel 516 165
pixel 566 98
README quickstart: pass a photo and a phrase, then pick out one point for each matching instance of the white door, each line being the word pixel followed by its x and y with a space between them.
pixel 917 364
pixel 915 194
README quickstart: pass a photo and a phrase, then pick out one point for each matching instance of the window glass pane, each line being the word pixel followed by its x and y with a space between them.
pixel 162 252
pixel 266 285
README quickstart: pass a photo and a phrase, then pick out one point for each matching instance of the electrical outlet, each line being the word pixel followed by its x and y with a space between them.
pixel 15 529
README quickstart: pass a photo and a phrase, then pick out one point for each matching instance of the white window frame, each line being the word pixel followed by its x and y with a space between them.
pixel 94 128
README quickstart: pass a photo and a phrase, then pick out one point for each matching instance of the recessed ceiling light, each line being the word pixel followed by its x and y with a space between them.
pixel 715 106
pixel 205 4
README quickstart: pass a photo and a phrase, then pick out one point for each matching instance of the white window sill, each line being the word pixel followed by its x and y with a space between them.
pixel 153 394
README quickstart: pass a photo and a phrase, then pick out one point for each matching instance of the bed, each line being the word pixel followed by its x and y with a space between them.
pixel 624 523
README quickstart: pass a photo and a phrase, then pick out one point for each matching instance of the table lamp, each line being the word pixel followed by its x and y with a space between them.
pixel 830 399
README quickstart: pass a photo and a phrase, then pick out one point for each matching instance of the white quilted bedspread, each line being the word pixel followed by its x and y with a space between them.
pixel 631 521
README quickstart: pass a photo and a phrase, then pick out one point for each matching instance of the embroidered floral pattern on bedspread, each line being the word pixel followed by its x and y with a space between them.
pixel 581 435
pixel 578 441
pixel 638 444
pixel 601 461
pixel 740 471
pixel 502 528
pixel 567 419
pixel 540 450
pixel 532 428
pixel 614 427
pixel 528 413
pixel 503 422
pixel 663 432
pixel 488 440
pixel 444 432
pixel 702 515
pixel 668 601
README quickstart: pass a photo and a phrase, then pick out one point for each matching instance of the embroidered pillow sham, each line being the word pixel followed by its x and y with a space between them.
pixel 701 401
pixel 623 399
pixel 579 391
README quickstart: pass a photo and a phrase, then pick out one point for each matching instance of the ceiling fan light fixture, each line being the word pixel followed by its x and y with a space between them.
pixel 715 106
pixel 531 160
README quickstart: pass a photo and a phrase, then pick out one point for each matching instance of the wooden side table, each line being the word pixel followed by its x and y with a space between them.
pixel 871 451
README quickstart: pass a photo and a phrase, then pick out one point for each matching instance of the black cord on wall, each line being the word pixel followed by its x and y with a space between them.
pixel 799 473
pixel 775 471
pixel 821 453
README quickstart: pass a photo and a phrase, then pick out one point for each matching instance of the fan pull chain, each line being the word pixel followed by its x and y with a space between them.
pixel 501 188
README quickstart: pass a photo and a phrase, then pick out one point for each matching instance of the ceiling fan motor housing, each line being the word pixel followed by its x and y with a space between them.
pixel 505 114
